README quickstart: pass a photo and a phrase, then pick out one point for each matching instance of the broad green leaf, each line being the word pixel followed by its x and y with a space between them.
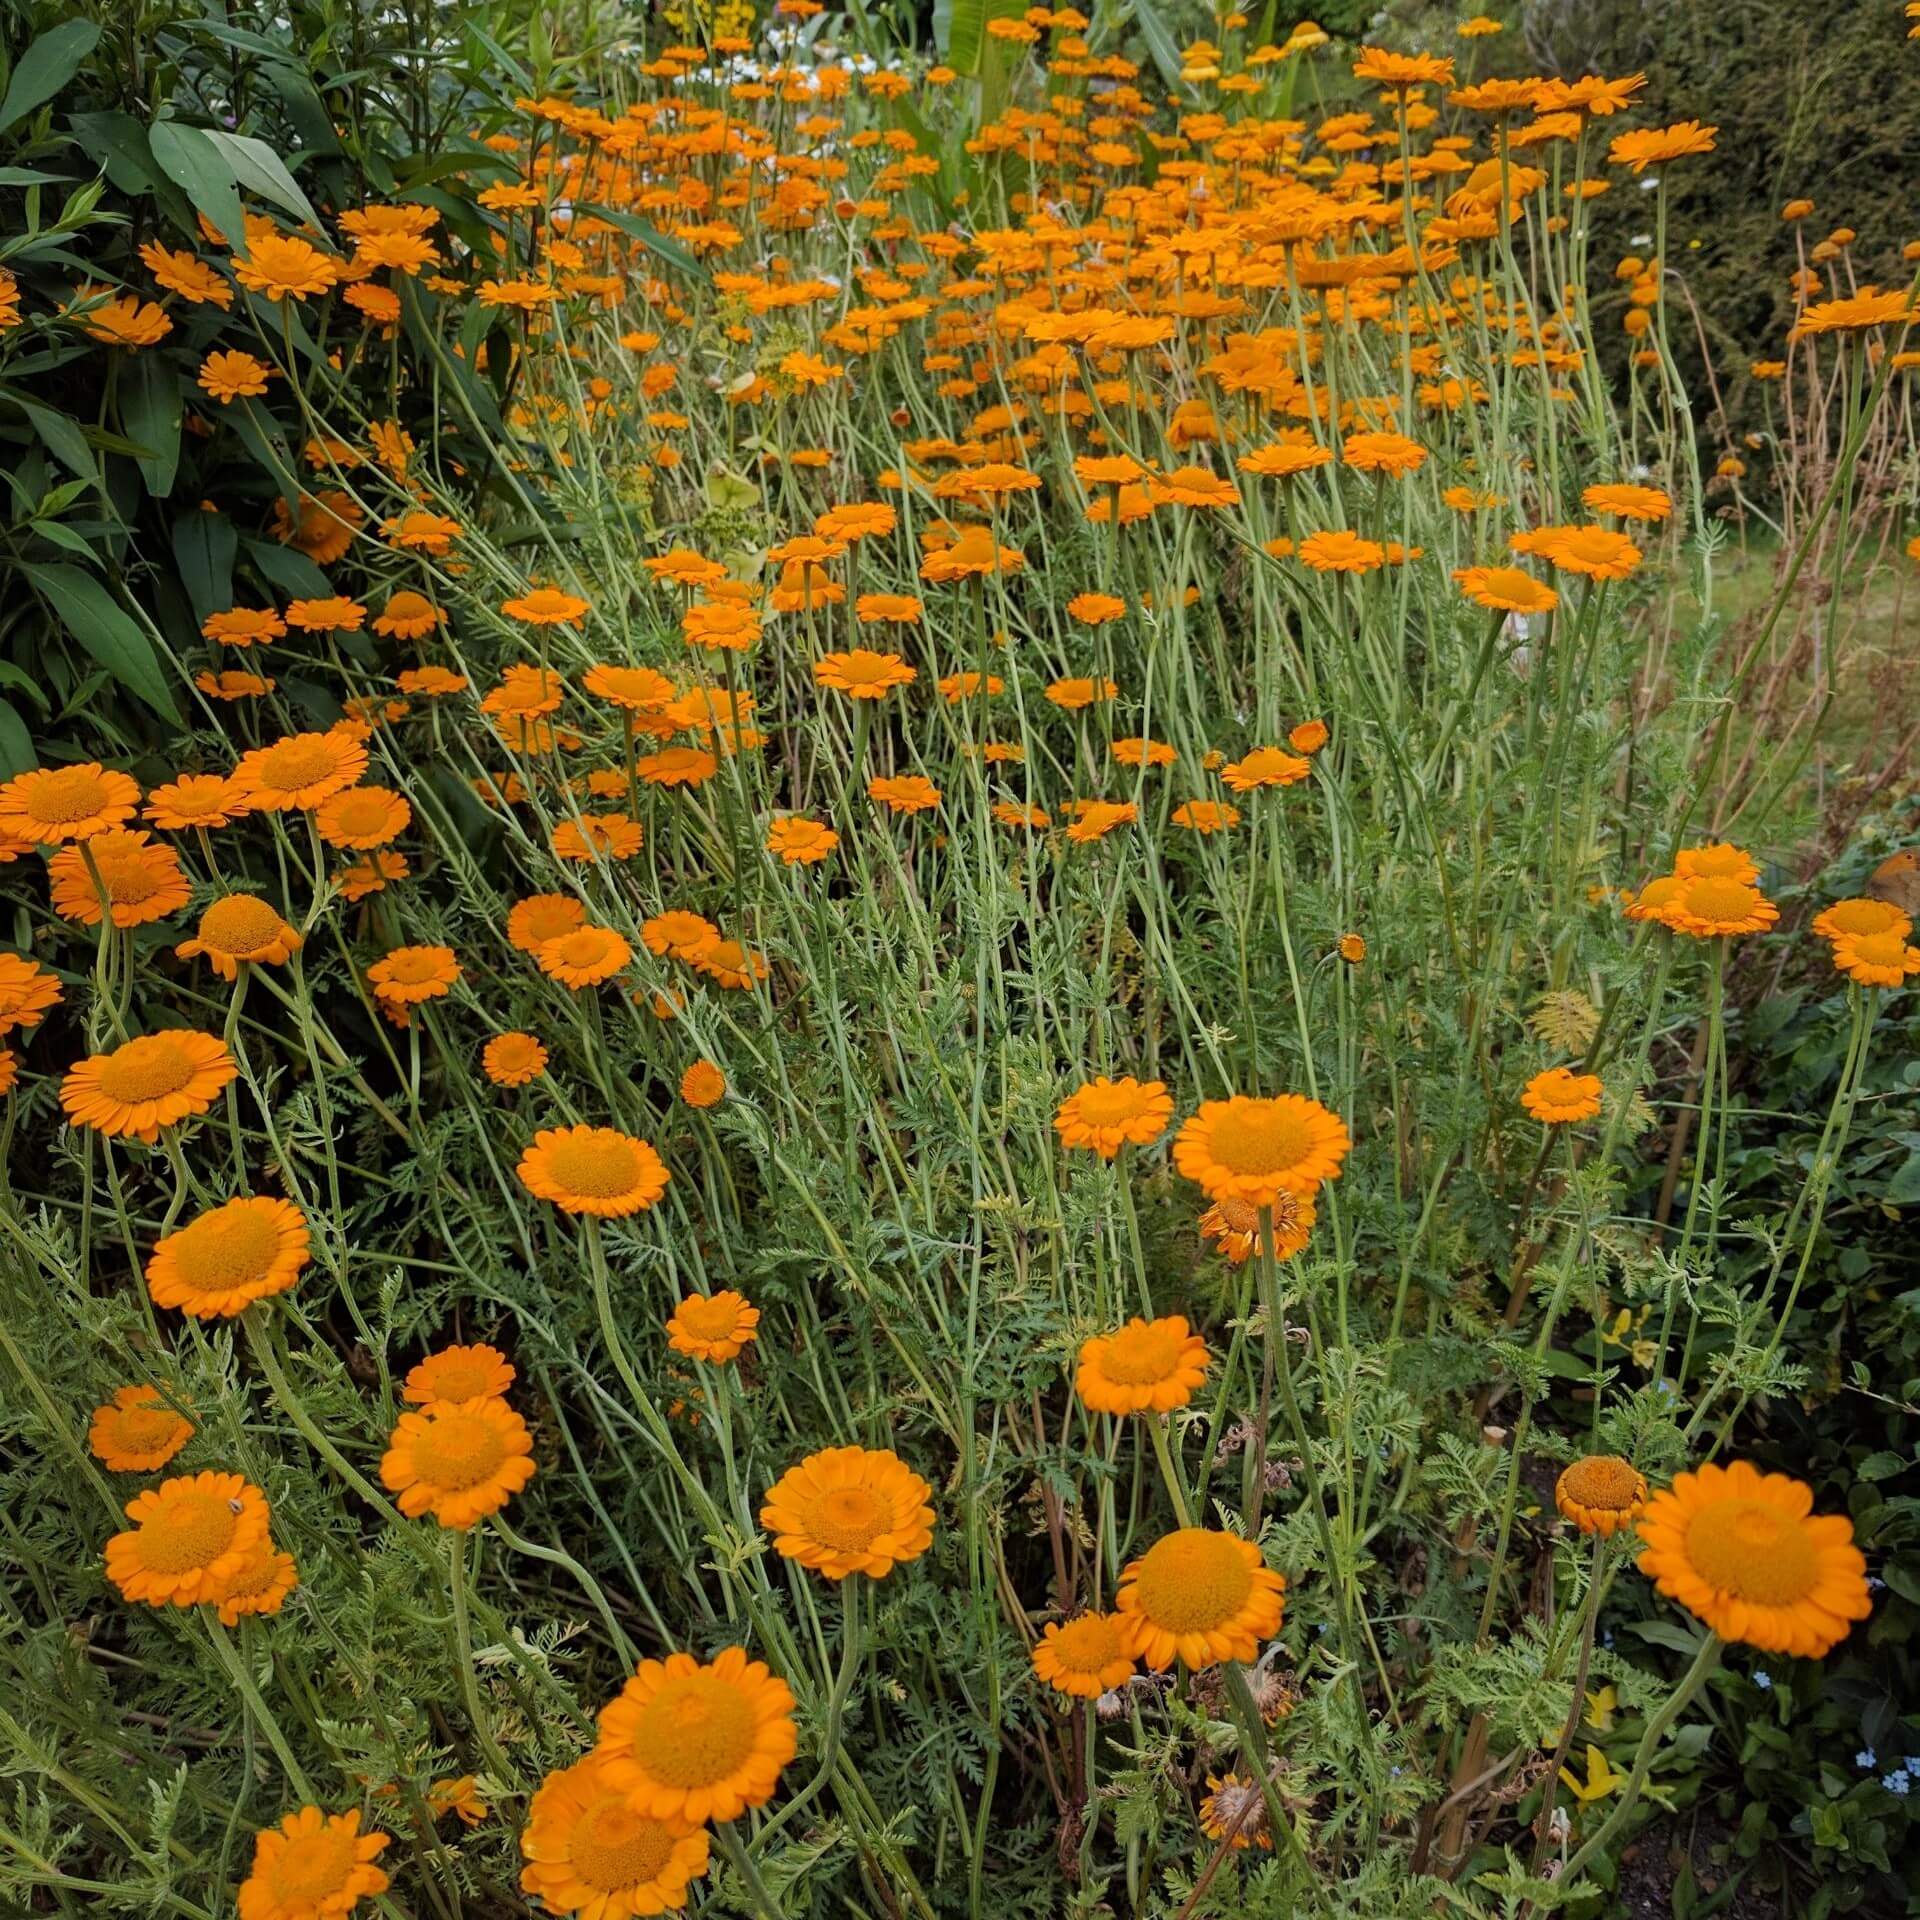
pixel 16 743
pixel 1153 30
pixel 46 67
pixel 204 545
pixel 64 438
pixel 191 160
pixel 151 412
pixel 97 620
pixel 258 168
pixel 118 142
pixel 289 570
pixel 967 34
pixel 669 249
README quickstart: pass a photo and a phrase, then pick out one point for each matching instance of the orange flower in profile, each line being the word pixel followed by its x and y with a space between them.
pixel 456 1375
pixel 1201 1597
pixel 194 800
pixel 458 1461
pixel 141 882
pixel 244 627
pixel 1628 502
pixel 541 917
pixel 1392 454
pixel 1096 609
pixel 862 674
pixel 148 1083
pixel 28 993
pixel 1719 861
pixel 299 771
pixel 363 818
pixel 1560 1095
pixel 1876 959
pixel 1711 906
pixel 1851 919
pixel 1265 767
pixel 1253 1149
pixel 312 1866
pixel 1596 553
pixel 1648 147
pixel 410 976
pixel 1149 1366
pixel 1105 1115
pixel 1206 816
pixel 904 793
pixel 137 1431
pixel 240 928
pixel 1340 551
pixel 703 1085
pixel 593 1170
pixel 1745 1552
pixel 715 1327
pixel 1095 819
pixel 408 616
pixel 1084 1657
pixel 545 607
pixel 51 805
pixel 1505 590
pixel 850 1510
pixel 189 1537
pixel 1398 72
pixel 691 1742
pixel 513 1059
pixel 225 1259
pixel 1071 695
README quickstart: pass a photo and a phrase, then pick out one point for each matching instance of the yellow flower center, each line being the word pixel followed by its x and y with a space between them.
pixel 1142 1356
pixel 1718 863
pixel 71 794
pixel 1719 900
pixel 256 1576
pixel 585 947
pixel 1258 1137
pixel 1088 1644
pixel 598 1167
pixel 230 1247
pixel 461 1376
pixel 361 811
pixel 1242 1216
pixel 1193 1581
pixel 1755 1551
pixel 313 1867
pixel 1861 918
pixel 238 924
pixel 145 1428
pixel 292 764
pixel 714 1319
pixel 132 874
pixel 613 1848
pixel 1107 1106
pixel 413 968
pixel 192 1530
pixel 695 1732
pixel 149 1068
pixel 848 1518
pixel 458 1450
pixel 1602 1481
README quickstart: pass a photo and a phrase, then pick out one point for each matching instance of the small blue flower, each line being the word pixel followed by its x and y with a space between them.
pixel 1896 1783
pixel 1864 1759
pixel 1764 1681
